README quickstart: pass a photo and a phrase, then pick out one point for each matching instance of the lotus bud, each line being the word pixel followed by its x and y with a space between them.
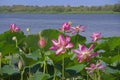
pixel 28 29
pixel 70 23
pixel 14 38
pixel 20 64
pixel 42 43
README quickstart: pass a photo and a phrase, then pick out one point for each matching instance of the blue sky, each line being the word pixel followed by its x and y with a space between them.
pixel 58 2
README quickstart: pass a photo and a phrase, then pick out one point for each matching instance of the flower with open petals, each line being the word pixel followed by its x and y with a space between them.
pixel 94 67
pixel 77 29
pixel 96 36
pixel 85 54
pixel 65 27
pixel 14 28
pixel 61 45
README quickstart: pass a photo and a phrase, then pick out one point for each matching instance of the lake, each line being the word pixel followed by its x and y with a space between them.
pixel 107 24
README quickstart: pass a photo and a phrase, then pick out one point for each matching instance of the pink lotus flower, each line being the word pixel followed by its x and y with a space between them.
pixel 94 67
pixel 65 27
pixel 77 29
pixel 85 54
pixel 61 45
pixel 14 28
pixel 96 36
pixel 42 43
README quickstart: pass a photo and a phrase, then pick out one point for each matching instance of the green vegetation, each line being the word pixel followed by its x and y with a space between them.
pixel 31 57
pixel 107 9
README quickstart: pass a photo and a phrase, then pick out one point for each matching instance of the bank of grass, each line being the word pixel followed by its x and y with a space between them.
pixel 72 12
pixel 94 12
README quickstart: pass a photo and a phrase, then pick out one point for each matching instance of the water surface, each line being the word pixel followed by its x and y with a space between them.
pixel 107 24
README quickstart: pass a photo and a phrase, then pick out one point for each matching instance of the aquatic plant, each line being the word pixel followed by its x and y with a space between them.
pixel 31 57
pixel 84 54
pixel 96 36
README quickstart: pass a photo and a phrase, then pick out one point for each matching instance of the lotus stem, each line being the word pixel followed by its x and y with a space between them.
pixel 28 32
pixel 118 55
pixel 45 70
pixel 16 44
pixel 98 73
pixel 87 76
pixel 54 78
pixel 95 76
pixel 10 62
pixel 0 63
pixel 29 71
pixel 44 65
pixel 63 77
pixel 22 72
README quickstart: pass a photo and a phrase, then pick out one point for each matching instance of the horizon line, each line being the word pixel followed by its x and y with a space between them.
pixel 58 5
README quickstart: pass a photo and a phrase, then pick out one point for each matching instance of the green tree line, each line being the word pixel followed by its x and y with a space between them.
pixel 59 9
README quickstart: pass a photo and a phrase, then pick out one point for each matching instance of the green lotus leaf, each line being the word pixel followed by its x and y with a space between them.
pixel 9 70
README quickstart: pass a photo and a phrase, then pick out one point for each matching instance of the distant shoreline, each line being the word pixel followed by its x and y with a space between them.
pixel 85 12
pixel 22 9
